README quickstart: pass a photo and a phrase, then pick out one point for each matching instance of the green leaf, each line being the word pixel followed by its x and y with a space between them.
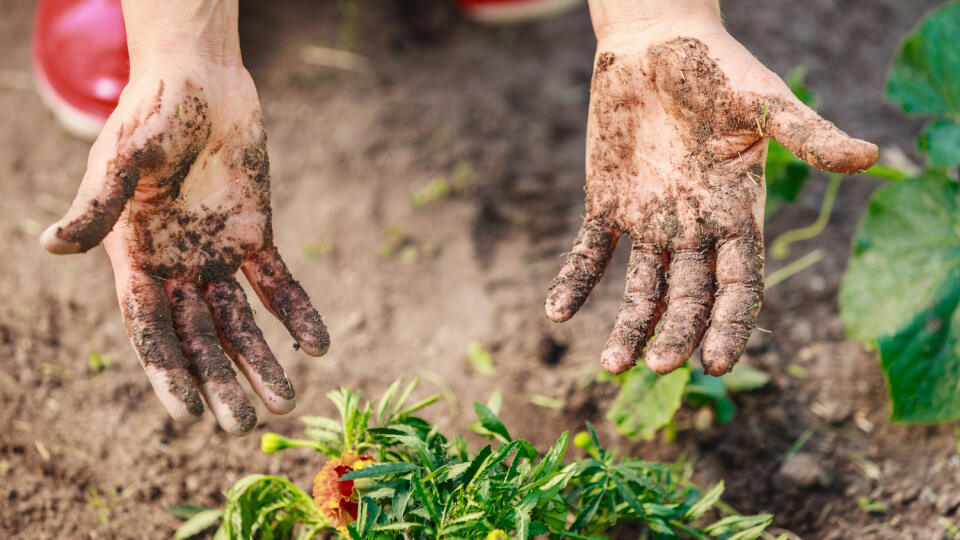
pixel 522 523
pixel 725 409
pixel 200 522
pixel 941 141
pixel 703 389
pixel 785 175
pixel 902 289
pixel 185 511
pixel 322 422
pixel 745 378
pixel 380 469
pixel 648 401
pixel 750 534
pixel 479 358
pixel 385 401
pixel 908 245
pixel 490 421
pixel 706 502
pixel 732 524
pixel 925 76
pixel 586 515
pixel 795 81
pixel 922 361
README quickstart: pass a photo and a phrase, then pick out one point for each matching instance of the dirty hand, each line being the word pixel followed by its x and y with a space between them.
pixel 680 114
pixel 177 188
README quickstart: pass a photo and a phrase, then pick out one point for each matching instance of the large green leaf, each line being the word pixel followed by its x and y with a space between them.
pixel 902 287
pixel 648 401
pixel 922 361
pixel 925 80
pixel 925 76
pixel 907 246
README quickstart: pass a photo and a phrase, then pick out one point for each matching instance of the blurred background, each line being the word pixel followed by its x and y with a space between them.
pixel 424 189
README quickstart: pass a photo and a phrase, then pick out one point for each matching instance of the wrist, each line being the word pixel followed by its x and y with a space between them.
pixel 615 19
pixel 178 30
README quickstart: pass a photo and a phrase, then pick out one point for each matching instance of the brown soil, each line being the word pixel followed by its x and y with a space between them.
pixel 94 455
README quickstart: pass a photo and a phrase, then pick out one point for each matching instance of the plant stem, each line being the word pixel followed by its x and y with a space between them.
pixel 780 246
pixel 794 268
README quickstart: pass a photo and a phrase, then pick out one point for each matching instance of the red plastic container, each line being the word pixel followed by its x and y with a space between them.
pixel 505 11
pixel 80 60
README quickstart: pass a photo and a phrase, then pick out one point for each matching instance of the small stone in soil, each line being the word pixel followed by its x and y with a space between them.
pixel 805 471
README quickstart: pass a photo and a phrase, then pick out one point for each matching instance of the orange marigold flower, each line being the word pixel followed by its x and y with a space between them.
pixel 334 497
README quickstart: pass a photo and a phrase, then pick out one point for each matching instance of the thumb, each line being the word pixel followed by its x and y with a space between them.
pixel 811 138
pixel 104 191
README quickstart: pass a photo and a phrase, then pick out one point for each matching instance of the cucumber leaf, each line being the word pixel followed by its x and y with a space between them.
pixel 902 290
pixel 941 140
pixel 925 81
pixel 925 76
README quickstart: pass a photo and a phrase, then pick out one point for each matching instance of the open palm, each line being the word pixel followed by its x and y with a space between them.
pixel 676 146
pixel 178 188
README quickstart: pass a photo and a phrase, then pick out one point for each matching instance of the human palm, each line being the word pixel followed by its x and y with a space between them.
pixel 178 188
pixel 676 146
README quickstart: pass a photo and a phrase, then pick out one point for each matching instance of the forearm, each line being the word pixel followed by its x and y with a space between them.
pixel 204 29
pixel 618 17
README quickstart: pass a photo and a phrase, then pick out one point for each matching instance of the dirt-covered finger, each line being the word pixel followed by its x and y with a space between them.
pixel 690 288
pixel 153 144
pixel 149 323
pixel 581 270
pixel 813 139
pixel 99 202
pixel 244 343
pixel 287 300
pixel 639 309
pixel 208 364
pixel 739 296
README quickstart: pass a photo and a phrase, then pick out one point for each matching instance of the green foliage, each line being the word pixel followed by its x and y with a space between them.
pixel 479 358
pixel 871 506
pixel 941 140
pixel 647 402
pixel 901 290
pixel 426 486
pixel 925 80
pixel 785 173
pixel 98 361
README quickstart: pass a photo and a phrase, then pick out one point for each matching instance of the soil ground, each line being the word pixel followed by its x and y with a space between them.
pixel 93 455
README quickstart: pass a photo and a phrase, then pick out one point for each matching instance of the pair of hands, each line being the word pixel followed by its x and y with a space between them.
pixel 177 189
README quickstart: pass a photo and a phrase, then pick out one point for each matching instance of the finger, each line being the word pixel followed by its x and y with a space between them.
pixel 149 323
pixel 157 139
pixel 739 295
pixel 287 300
pixel 208 364
pixel 243 341
pixel 689 298
pixel 582 269
pixel 639 308
pixel 103 194
pixel 815 140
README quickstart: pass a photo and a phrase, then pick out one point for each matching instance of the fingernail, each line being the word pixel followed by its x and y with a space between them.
pixel 52 243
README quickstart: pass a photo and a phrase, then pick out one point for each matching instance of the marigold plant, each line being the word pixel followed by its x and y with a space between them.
pixel 401 478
